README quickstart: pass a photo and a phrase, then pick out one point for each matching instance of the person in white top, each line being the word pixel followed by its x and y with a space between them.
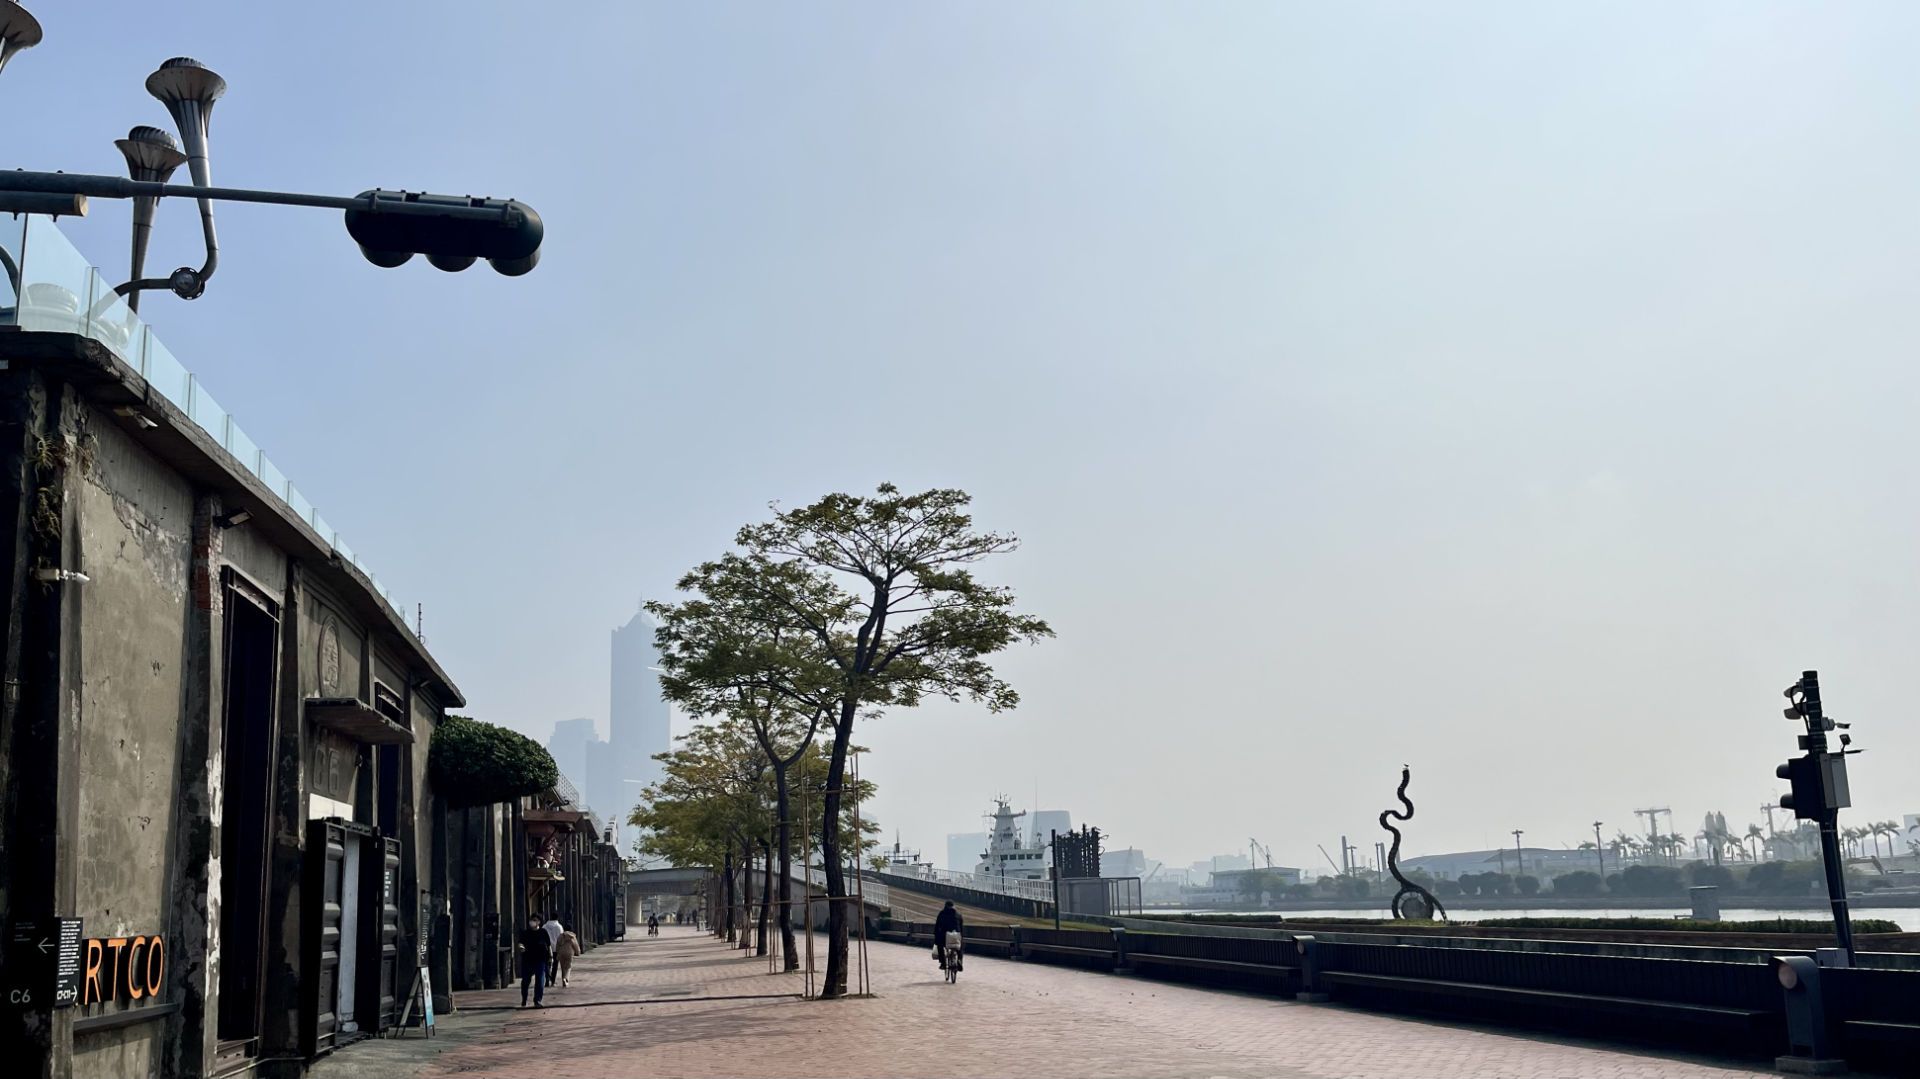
pixel 554 929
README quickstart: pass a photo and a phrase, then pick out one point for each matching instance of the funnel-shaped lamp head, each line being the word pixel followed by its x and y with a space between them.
pixel 18 30
pixel 151 154
pixel 188 88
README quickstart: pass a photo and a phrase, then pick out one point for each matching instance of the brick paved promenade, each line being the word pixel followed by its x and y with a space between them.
pixel 1003 1018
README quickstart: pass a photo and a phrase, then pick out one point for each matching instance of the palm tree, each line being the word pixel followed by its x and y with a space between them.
pixel 1891 829
pixel 1623 847
pixel 1754 838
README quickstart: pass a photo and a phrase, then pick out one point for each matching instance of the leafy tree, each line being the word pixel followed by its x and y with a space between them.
pixel 1353 886
pixel 876 598
pixel 1486 884
pixel 708 806
pixel 1527 884
pixel 1255 883
pixel 473 763
pixel 1581 882
pixel 726 652
pixel 1650 880
pixel 1446 889
pixel 1718 876
pixel 1786 878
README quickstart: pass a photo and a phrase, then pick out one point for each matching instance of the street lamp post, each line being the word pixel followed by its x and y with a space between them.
pixel 1600 850
pixel 1519 856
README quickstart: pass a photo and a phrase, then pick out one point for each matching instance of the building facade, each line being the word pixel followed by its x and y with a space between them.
pixel 215 729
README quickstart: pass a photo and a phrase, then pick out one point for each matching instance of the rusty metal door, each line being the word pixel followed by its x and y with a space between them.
pixel 326 864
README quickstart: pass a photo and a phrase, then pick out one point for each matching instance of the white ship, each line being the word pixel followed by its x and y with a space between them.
pixel 907 863
pixel 1010 855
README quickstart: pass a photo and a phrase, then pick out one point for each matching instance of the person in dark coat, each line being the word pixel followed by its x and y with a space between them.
pixel 949 921
pixel 536 951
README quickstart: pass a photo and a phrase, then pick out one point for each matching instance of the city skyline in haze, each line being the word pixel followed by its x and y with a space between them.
pixel 1522 395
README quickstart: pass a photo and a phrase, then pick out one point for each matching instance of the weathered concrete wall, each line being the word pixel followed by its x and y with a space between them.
pixel 333 649
pixel 256 559
pixel 129 1051
pixel 387 671
pixel 135 524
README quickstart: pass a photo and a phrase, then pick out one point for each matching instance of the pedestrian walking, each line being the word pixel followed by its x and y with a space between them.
pixel 564 955
pixel 653 925
pixel 535 948
pixel 553 929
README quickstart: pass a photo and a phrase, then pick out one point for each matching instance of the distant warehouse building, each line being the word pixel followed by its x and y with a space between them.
pixel 1542 862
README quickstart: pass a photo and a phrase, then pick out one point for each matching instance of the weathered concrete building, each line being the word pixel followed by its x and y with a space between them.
pixel 215 726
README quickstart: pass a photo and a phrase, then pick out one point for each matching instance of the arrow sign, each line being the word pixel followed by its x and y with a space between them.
pixel 46 945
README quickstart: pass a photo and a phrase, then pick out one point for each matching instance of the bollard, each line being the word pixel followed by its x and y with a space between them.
pixel 1808 1033
pixel 1310 991
pixel 1013 950
pixel 1119 948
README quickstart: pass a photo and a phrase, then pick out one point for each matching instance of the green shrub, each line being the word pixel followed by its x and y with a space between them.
pixel 475 763
pixel 1580 882
pixel 1649 880
pixel 1688 925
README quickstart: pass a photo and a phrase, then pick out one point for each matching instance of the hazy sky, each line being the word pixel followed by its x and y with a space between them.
pixel 1523 392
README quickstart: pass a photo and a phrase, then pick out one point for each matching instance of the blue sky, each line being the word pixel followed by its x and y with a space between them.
pixel 1523 392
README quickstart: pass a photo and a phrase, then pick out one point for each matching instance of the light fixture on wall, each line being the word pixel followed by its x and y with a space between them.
pixel 237 517
pixel 134 414
pixel 52 575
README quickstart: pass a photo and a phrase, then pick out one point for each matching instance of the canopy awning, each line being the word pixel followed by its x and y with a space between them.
pixel 357 720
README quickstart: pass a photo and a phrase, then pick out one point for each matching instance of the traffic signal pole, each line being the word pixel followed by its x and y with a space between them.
pixel 1819 780
pixel 453 231
pixel 52 186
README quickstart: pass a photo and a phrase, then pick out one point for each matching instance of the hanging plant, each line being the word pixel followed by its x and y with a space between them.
pixel 476 763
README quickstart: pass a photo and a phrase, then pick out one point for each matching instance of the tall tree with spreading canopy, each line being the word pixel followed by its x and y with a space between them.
pixel 724 653
pixel 859 604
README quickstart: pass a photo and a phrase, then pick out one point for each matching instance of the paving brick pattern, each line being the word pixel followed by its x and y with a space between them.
pixel 1003 1018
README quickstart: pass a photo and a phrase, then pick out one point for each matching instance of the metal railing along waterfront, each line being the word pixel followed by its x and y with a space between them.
pixel 47 286
pixel 1665 994
pixel 1041 890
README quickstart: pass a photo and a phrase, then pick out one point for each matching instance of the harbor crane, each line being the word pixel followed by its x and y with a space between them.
pixel 1257 850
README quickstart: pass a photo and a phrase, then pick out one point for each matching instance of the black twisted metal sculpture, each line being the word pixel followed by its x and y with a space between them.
pixel 1411 901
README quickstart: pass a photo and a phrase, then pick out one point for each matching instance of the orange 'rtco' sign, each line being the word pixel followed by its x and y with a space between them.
pixel 124 968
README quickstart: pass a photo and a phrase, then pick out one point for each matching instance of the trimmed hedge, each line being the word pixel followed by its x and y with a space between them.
pixel 476 763
pixel 1689 925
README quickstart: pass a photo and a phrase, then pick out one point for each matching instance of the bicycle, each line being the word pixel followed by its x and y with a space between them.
pixel 950 957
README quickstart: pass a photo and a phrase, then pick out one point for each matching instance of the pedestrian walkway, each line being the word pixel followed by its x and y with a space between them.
pixel 682 1004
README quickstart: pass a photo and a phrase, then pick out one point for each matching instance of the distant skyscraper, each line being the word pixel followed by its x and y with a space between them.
pixel 571 745
pixel 1047 821
pixel 638 722
pixel 964 850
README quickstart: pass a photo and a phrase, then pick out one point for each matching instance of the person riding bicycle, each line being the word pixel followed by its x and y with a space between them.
pixel 949 921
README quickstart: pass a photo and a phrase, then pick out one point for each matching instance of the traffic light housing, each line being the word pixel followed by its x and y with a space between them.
pixel 1803 774
pixel 453 231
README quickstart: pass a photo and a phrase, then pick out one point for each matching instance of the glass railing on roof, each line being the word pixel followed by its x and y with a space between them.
pixel 48 286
